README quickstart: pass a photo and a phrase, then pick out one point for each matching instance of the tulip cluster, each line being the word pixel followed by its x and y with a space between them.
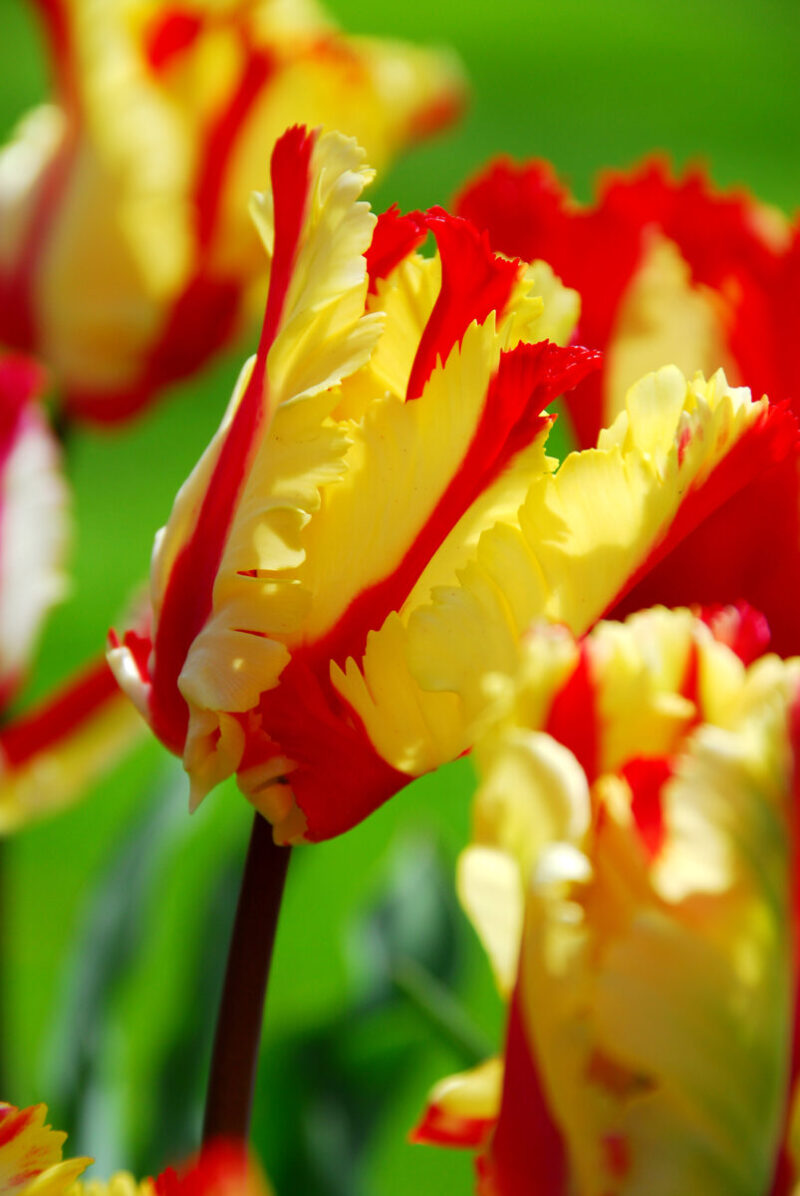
pixel 377 567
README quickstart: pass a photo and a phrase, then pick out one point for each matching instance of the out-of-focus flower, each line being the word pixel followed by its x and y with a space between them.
pixel 33 519
pixel 667 271
pixel 634 877
pixel 221 1169
pixel 392 413
pixel 126 254
pixel 31 1162
pixel 54 752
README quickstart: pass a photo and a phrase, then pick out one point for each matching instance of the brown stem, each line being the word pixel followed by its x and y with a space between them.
pixel 235 1058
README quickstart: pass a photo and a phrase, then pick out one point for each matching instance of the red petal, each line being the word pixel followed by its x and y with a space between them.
pixel 526 1155
pixel 744 630
pixel 573 716
pixel 646 775
pixel 394 238
pixel 736 537
pixel 169 35
pixel 335 757
pixel 474 282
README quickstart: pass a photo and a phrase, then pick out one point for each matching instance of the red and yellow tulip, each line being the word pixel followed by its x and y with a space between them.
pixel 634 877
pixel 126 255
pixel 392 414
pixel 667 270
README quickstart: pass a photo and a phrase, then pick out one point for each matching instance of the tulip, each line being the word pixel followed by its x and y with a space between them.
pixel 634 877
pixel 392 413
pixel 667 269
pixel 126 255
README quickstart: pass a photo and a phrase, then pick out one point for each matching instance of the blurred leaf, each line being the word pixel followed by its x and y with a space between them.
pixel 182 1074
pixel 412 917
pixel 107 943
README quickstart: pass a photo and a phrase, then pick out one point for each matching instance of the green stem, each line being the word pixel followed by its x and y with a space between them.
pixel 234 1060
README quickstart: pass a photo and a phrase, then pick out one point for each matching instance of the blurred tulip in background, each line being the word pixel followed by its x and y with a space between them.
pixel 126 254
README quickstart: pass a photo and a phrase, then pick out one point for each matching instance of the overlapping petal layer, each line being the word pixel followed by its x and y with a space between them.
pixel 638 803
pixel 667 270
pixel 690 496
pixel 126 255
pixel 392 414
pixel 31 1161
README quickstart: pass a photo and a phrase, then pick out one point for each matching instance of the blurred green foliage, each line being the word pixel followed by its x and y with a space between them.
pixel 115 914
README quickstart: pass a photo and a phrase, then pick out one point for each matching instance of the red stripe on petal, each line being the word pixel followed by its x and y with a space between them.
pixel 439 1127
pixel 14 1121
pixel 21 381
pixel 735 537
pixel 475 281
pixel 573 716
pixel 526 1155
pixel 59 716
pixel 528 378
pixel 741 628
pixel 339 778
pixel 646 775
pixel 171 33
pixel 199 323
pixel 436 116
pixel 290 174
pixel 394 238
pixel 221 141
pixel 187 599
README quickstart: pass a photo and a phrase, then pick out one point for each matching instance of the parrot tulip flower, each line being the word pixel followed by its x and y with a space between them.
pixel 393 412
pixel 667 270
pixel 634 877
pixel 33 519
pixel 126 254
pixel 31 1162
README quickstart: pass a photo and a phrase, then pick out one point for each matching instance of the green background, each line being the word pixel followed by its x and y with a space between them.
pixel 114 915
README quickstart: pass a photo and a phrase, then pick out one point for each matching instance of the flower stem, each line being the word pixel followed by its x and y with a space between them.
pixel 234 1061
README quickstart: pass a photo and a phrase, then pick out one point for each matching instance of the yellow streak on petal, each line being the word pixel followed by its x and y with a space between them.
pixel 582 532
pixel 663 317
